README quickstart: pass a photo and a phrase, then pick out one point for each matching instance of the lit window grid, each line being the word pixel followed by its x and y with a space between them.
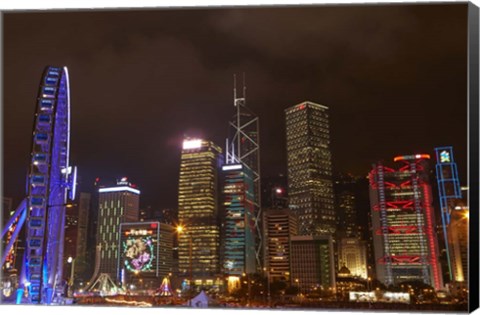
pixel 309 167
pixel 114 208
pixel 418 243
pixel 279 225
pixel 312 264
pixel 197 210
pixel 239 239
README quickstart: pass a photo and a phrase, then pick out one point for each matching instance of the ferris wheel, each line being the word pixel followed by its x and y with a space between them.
pixel 50 184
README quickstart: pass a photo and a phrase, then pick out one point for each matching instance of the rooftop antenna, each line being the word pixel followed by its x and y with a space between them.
pixel 234 89
pixel 244 90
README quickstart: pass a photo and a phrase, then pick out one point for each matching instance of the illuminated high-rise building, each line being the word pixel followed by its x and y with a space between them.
pixel 199 240
pixel 403 222
pixel 309 163
pixel 279 226
pixel 238 221
pixel 454 212
pixel 243 147
pixel 117 204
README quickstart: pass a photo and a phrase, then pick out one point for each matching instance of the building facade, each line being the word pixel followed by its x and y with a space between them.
pixel 312 263
pixel 310 186
pixel 81 256
pixel 352 254
pixel 458 242
pixel 198 191
pixel 345 187
pixel 117 204
pixel 275 192
pixel 145 254
pixel 279 226
pixel 403 223
pixel 243 147
pixel 238 221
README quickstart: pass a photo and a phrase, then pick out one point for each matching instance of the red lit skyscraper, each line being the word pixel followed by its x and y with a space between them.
pixel 403 222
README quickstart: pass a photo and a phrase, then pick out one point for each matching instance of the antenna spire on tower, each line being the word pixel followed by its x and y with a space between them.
pixel 234 89
pixel 244 90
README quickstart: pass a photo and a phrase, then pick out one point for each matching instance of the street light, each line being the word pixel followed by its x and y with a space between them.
pixel 268 286
pixel 298 285
pixel 71 260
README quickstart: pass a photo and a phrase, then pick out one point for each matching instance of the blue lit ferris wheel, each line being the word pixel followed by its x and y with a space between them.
pixel 50 184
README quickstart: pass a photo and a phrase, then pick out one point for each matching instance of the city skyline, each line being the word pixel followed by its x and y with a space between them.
pixel 361 93
pixel 343 180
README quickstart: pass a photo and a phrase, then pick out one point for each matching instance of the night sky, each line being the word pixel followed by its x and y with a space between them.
pixel 394 77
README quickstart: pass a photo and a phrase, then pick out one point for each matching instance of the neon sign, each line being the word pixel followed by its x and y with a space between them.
pixel 138 252
pixel 445 157
pixel 119 189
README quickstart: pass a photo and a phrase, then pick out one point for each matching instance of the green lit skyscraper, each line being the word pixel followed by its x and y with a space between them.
pixel 117 204
pixel 310 168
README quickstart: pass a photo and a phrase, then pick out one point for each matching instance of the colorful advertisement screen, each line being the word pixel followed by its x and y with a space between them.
pixel 138 253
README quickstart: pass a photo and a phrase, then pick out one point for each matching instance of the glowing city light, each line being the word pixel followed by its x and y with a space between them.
pixel 444 156
pixel 119 189
pixel 192 144
pixel 411 157
pixel 180 229
pixel 232 167
pixel 279 190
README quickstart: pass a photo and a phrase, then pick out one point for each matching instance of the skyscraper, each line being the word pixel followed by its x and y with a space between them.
pixel 117 204
pixel 352 250
pixel 76 229
pixel 346 202
pixel 403 222
pixel 454 222
pixel 309 164
pixel 81 259
pixel 71 234
pixel 199 240
pixel 238 222
pixel 279 226
pixel 243 147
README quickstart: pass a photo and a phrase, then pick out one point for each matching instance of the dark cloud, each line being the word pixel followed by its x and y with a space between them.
pixel 394 76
